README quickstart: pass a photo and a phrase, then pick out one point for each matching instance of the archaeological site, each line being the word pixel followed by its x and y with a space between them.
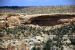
pixel 37 28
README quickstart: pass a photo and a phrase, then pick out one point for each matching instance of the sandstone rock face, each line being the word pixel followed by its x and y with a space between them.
pixel 49 20
pixel 13 20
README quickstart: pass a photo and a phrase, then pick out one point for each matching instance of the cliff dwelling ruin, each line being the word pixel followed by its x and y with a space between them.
pixel 12 20
pixel 50 20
